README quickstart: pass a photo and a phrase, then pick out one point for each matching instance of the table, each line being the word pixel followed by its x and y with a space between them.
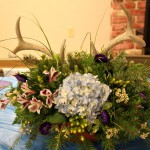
pixel 9 132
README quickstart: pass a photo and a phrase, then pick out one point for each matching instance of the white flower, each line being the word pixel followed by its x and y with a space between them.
pixel 81 95
pixel 144 135
pixel 105 92
pixel 121 96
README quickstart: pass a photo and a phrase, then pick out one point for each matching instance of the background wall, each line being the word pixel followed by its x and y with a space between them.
pixel 56 17
pixel 118 22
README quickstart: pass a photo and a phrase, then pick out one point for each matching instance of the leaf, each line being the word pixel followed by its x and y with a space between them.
pixel 56 118
pixel 86 145
pixel 57 141
pixel 17 120
pixel 95 128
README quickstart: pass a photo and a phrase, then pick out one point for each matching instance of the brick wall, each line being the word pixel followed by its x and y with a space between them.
pixel 119 20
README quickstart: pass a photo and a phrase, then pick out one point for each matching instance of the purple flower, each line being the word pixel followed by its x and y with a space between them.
pixel 100 58
pixel 105 117
pixel 45 128
pixel 20 77
pixel 143 96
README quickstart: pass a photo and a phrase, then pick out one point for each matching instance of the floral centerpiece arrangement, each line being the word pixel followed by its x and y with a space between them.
pixel 82 98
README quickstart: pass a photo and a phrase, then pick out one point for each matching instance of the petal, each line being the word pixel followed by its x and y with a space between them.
pixel 46 92
pixel 101 58
pixel 56 93
pixel 46 72
pixel 32 108
pixel 34 100
pixel 105 117
pixel 20 77
pixel 38 111
pixel 26 89
pixel 53 74
pixel 49 101
pixel 23 101
pixel 3 103
pixel 26 104
pixel 36 105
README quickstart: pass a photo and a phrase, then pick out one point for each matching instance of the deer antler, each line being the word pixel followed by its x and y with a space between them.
pixel 62 52
pixel 127 35
pixel 23 45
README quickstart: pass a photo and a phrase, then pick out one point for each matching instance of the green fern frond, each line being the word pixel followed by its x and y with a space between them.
pixel 86 145
pixel 58 142
pixel 108 145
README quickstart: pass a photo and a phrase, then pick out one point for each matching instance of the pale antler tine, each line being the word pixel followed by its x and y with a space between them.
pixel 129 28
pixel 127 35
pixel 19 37
pixel 129 17
pixel 23 45
pixel 92 48
pixel 18 33
pixel 62 52
pixel 138 40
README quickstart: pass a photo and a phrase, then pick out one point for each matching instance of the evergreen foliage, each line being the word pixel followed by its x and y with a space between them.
pixel 128 104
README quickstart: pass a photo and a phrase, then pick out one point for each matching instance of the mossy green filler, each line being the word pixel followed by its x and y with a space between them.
pixel 122 117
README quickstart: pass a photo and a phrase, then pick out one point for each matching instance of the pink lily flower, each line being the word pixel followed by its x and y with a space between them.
pixel 46 92
pixel 26 89
pixel 56 93
pixel 22 100
pixel 49 101
pixel 49 95
pixel 53 74
pixel 3 103
pixel 35 105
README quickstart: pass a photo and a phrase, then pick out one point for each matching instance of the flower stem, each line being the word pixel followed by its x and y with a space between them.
pixel 58 140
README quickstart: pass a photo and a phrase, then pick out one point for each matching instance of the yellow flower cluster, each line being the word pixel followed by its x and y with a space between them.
pixel 144 125
pixel 121 96
pixel 12 96
pixel 111 132
pixel 25 128
pixel 144 135
pixel 65 132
